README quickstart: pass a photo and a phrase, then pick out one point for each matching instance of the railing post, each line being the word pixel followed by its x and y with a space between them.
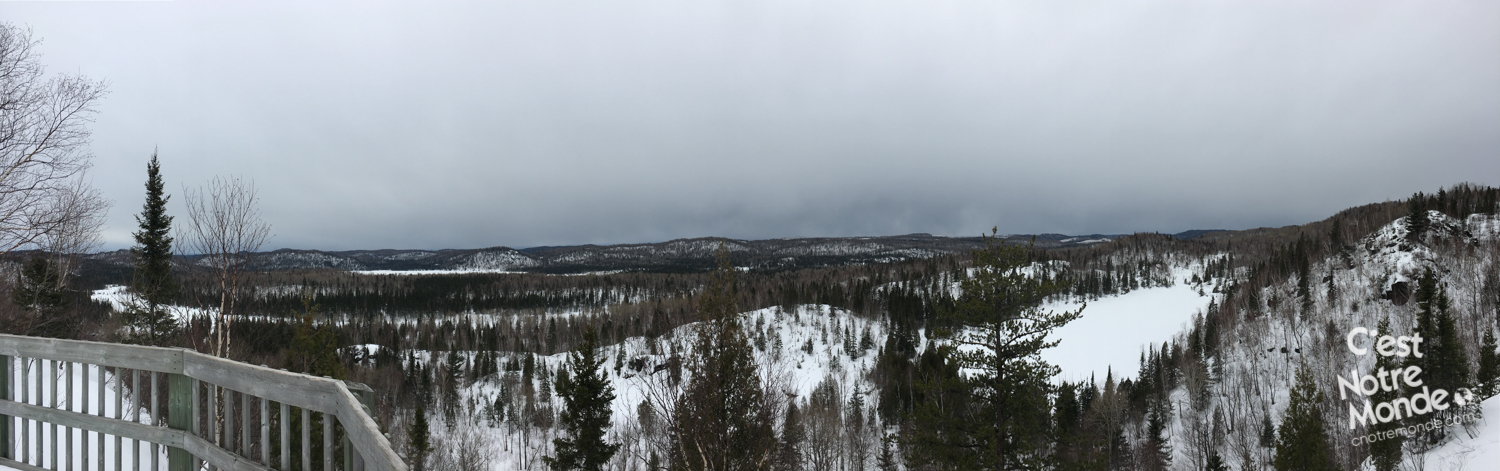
pixel 180 417
pixel 5 420
pixel 352 460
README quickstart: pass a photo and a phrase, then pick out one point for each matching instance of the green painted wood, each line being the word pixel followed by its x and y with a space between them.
pixel 179 417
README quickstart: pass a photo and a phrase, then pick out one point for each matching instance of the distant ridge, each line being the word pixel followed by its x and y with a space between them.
pixel 680 255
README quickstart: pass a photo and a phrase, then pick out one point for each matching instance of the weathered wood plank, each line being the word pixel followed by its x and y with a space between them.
pixel 166 360
pixel 305 392
pixel 133 430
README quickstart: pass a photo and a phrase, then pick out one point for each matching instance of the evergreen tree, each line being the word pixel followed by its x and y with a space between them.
pixel 723 417
pixel 998 317
pixel 148 320
pixel 587 395
pixel 1215 463
pixel 1417 219
pixel 1158 451
pixel 1303 441
pixel 454 366
pixel 1267 432
pixel 887 459
pixel 1304 288
pixel 789 456
pixel 1489 366
pixel 40 296
pixel 1450 361
pixel 1386 453
pixel 418 440
pixel 315 347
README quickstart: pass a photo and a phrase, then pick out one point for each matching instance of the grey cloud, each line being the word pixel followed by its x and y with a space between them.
pixel 546 123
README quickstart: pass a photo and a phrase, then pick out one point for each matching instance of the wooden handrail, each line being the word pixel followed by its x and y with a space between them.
pixel 325 395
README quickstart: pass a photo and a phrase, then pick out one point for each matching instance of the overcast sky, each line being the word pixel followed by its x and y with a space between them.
pixel 411 125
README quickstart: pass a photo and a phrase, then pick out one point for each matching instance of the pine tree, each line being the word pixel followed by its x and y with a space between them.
pixel 1386 453
pixel 999 322
pixel 722 418
pixel 1303 441
pixel 587 395
pixel 148 320
pixel 418 440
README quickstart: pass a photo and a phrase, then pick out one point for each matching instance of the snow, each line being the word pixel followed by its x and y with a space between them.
pixel 432 272
pixel 1477 448
pixel 1113 330
pixel 81 400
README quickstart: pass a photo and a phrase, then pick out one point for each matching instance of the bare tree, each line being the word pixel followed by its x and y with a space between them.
pixel 225 229
pixel 44 140
pixel 83 211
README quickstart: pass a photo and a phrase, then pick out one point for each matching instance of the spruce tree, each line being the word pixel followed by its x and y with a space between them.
pixel 1158 451
pixel 418 440
pixel 1417 219
pixel 148 320
pixel 1489 366
pixel 587 395
pixel 1303 441
pixel 722 418
pixel 1386 453
pixel 789 456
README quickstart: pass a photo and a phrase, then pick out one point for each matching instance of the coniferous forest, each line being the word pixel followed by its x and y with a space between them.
pixel 927 363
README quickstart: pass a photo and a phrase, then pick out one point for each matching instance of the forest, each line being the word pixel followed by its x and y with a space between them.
pixel 504 354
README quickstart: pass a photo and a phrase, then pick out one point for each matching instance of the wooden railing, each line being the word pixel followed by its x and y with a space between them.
pixel 80 406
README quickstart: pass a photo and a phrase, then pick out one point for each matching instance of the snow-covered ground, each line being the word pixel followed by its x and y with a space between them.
pixel 1113 331
pixel 1476 448
pixel 38 449
pixel 790 368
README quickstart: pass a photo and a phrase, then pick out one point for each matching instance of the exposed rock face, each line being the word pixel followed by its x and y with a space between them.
pixel 1399 293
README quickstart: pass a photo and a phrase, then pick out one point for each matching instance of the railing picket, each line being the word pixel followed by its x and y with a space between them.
pixel 213 420
pixel 52 429
pixel 68 406
pixel 197 419
pixel 135 416
pixel 306 440
pixel 25 399
pixel 228 419
pixel 327 442
pixel 286 437
pixel 265 431
pixel 119 409
pixel 245 424
pixel 6 445
pixel 100 435
pixel 58 414
pixel 155 420
pixel 83 407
